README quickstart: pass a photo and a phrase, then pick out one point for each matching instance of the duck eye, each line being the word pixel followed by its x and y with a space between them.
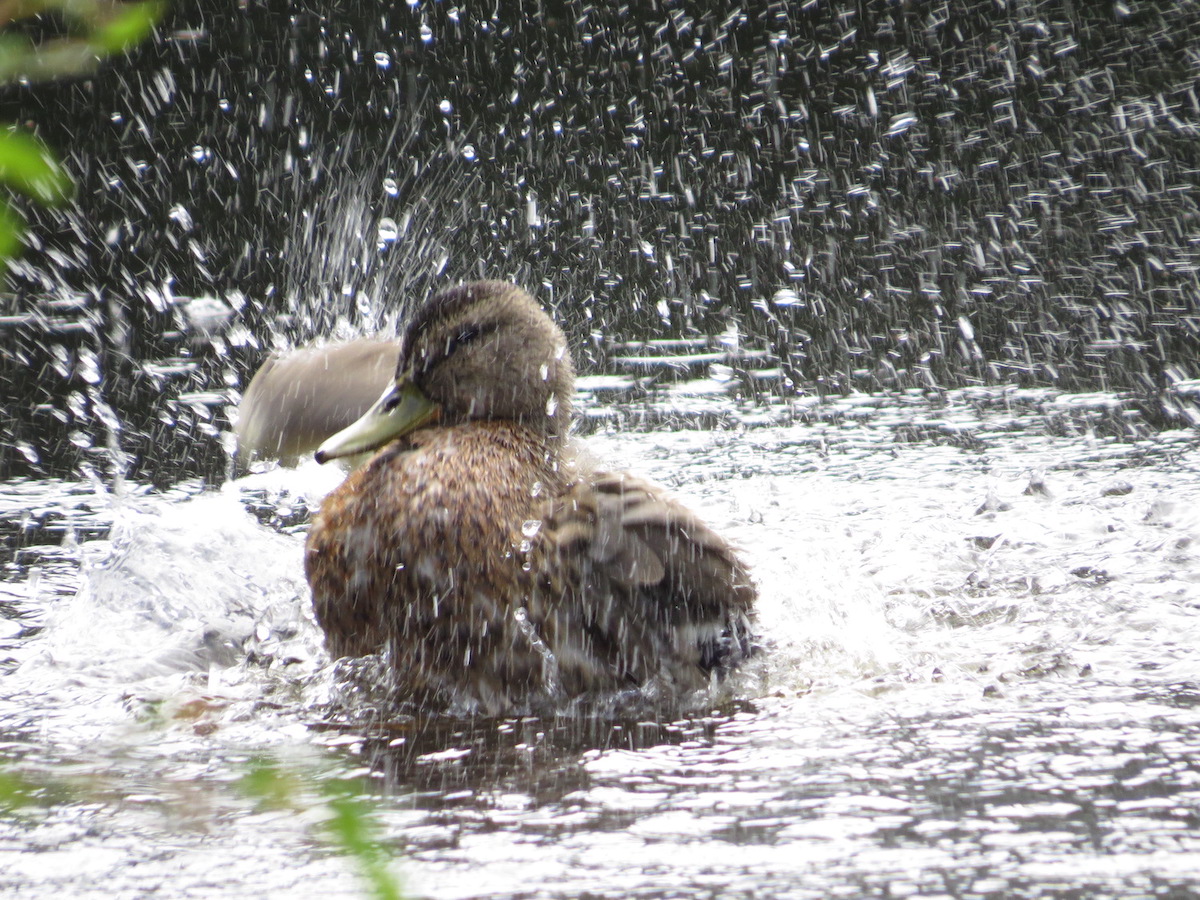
pixel 465 336
pixel 431 358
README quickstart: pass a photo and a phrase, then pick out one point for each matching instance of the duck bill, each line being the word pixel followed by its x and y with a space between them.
pixel 401 409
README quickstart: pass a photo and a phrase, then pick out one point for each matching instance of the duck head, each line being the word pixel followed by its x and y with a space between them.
pixel 483 350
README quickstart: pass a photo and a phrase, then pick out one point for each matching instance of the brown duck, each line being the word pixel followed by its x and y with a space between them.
pixel 495 568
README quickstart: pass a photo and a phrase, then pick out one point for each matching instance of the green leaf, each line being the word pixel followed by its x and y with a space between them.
pixel 27 166
pixel 352 830
pixel 11 228
pixel 349 827
pixel 14 791
pixel 130 26
pixel 268 785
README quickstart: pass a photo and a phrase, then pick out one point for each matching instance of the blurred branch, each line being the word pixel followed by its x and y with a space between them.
pixel 105 29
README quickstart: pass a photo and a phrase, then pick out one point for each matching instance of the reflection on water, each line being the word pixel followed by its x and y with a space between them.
pixel 982 617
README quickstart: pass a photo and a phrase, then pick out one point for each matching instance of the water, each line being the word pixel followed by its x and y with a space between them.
pixel 978 602
pixel 980 679
pixel 879 197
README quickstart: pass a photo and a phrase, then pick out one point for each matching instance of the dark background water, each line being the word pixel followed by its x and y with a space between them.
pixel 880 194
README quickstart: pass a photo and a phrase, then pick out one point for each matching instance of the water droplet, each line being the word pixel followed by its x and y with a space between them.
pixel 383 59
pixel 446 107
pixel 900 124
pixel 787 297
pixel 426 33
pixel 181 217
pixel 106 414
pixel 390 187
pixel 468 152
pixel 200 154
pixel 89 367
pixel 531 527
pixel 388 230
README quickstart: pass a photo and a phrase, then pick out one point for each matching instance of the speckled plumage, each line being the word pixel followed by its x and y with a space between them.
pixel 496 569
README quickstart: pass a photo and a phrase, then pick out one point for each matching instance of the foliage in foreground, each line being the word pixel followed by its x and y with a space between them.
pixel 347 827
pixel 345 821
pixel 95 30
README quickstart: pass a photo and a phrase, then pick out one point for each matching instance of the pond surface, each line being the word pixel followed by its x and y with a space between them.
pixel 981 678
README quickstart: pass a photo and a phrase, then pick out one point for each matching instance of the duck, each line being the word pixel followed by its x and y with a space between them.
pixel 491 563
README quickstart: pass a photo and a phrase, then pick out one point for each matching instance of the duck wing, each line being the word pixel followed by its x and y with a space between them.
pixel 631 581
pixel 297 400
